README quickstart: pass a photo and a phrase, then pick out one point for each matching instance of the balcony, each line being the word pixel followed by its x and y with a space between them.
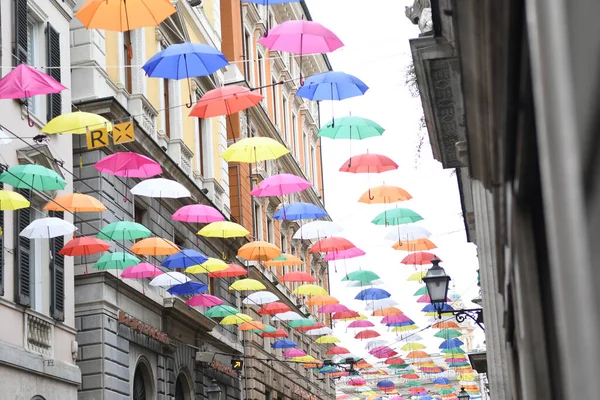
pixel 181 154
pixel 39 333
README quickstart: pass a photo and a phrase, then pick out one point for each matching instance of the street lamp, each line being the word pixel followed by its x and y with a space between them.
pixel 463 395
pixel 213 392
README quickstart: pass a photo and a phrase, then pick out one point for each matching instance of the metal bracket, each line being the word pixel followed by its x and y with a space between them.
pixel 476 314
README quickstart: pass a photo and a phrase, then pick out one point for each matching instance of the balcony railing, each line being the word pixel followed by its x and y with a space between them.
pixel 39 335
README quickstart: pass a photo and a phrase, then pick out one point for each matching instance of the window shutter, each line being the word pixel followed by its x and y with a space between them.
pixel 54 101
pixel 57 275
pixel 21 10
pixel 2 248
pixel 22 253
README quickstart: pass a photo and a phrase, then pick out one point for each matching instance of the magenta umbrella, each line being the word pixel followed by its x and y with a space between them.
pixel 140 271
pixel 357 382
pixel 198 213
pixel 279 185
pixel 361 323
pixel 129 165
pixel 24 82
pixel 426 299
pixel 393 319
pixel 344 254
pixel 294 353
pixel 332 308
pixel 204 300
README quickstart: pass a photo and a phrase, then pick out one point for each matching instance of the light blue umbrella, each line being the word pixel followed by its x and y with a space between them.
pixel 372 294
pixel 284 344
pixel 332 86
pixel 297 211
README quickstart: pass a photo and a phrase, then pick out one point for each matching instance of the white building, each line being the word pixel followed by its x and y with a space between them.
pixel 37 338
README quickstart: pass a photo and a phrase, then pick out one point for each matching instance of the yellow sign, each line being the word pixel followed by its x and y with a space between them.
pixel 237 365
pixel 123 133
pixel 97 138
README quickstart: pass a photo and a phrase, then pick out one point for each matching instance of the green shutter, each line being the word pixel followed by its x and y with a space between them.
pixel 54 102
pixel 22 254
pixel 57 275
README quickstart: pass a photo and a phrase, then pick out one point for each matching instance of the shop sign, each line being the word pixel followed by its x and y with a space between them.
pixel 226 369
pixel 143 328
pixel 303 394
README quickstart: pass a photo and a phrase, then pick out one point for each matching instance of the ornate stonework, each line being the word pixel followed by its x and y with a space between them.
pixel 420 14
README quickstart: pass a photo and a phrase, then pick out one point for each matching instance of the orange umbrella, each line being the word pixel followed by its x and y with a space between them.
pixel 384 194
pixel 252 326
pixel 321 300
pixel 298 276
pixel 155 247
pixel 384 312
pixel 123 15
pixel 274 308
pixel 414 245
pixel 445 325
pixel 317 325
pixel 417 354
pixel 226 100
pixel 362 364
pixel 284 260
pixel 75 202
pixel 232 271
pixel 259 251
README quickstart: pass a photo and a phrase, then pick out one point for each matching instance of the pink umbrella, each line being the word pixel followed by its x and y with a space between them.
pixel 393 319
pixel 294 353
pixel 129 165
pixel 332 308
pixel 380 349
pixel 301 37
pixel 357 382
pixel 25 81
pixel 426 299
pixel 361 323
pixel 140 271
pixel 344 254
pixel 204 300
pixel 279 185
pixel 198 213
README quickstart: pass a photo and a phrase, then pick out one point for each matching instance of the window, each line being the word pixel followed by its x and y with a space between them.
pixel 306 155
pixel 284 244
pixel 213 286
pixel 285 111
pixel 295 133
pixel 292 62
pixel 313 161
pixel 142 383
pixel 167 105
pixel 33 58
pixel 248 56
pixel 200 144
pixel 268 395
pixel 127 56
pixel 261 73
pixel 258 228
pixel 139 213
pixel 270 230
pixel 275 101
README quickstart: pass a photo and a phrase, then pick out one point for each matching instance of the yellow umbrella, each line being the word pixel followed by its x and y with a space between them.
pixel 254 149
pixel 247 284
pixel 77 123
pixel 417 276
pixel 327 339
pixel 208 266
pixel 235 319
pixel 223 229
pixel 12 200
pixel 413 346
pixel 284 260
pixel 310 290
pixel 404 328
pixel 303 359
pixel 466 377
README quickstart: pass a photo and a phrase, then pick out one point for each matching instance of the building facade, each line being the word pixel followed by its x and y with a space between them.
pixel 37 344
pixel 506 89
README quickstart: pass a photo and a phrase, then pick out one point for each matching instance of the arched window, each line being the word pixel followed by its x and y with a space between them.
pixel 182 388
pixel 38 398
pixel 142 382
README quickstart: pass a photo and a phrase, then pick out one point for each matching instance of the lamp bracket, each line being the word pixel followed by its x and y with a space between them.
pixel 476 314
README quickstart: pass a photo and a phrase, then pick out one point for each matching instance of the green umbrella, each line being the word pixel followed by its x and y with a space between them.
pixel 397 216
pixel 448 333
pixel 453 350
pixel 117 260
pixel 444 391
pixel 398 366
pixel 412 383
pixel 268 329
pixel 124 230
pixel 221 311
pixel 297 323
pixel 421 291
pixel 351 128
pixel 363 276
pixel 33 176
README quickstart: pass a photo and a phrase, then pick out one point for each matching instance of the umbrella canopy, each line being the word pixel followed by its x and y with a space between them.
pixel 183 259
pixel 260 298
pixel 236 319
pixel 392 319
pixel 232 271
pixel 319 331
pixel 287 316
pixel 344 254
pixel 332 86
pixel 413 346
pixel 361 323
pixel 448 333
pixel 274 308
pixel 204 300
pixel 396 216
pixel 301 37
pixel 332 308
pixel 46 228
pixel 277 333
pixel 385 383
pixel 309 290
pixel 317 230
pixel 380 304
pixel 357 382
pixel 372 294
pixel 198 213
pixel 117 260
pixel 76 123
pixel 124 230
pixel 32 176
pixel 294 353
pixel 220 311
pixel 367 334
pixel 252 326
pixel 75 202
pixel 383 312
pixel 298 211
pixel 129 165
pixel 247 284
pixel 279 185
pixel 141 271
pixel 301 322
pixel 331 244
pixel 407 232
pixel 25 81
pixel 283 344
pixel 368 164
pixel 160 187
pixel 419 258
pixel 284 260
pixel 254 149
pixel 12 200
pixel 155 247
pixel 327 339
pixel 223 229
pixel 259 250
pixel 337 350
pixel 321 300
pixel 188 288
pixel 185 60
pixel 298 276
pixel 169 279
pixel 417 276
pixel 384 195
pixel 267 328
pixel 414 245
pixel 84 246
pixel 363 276
pixel 351 127
pixel 208 266
pixel 345 315
pixel 225 100
pixel 123 15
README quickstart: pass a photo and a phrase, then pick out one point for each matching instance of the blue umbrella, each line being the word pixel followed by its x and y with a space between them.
pixel 284 344
pixel 385 383
pixel 298 211
pixel 185 258
pixel 332 86
pixel 372 294
pixel 327 369
pixel 404 323
pixel 441 381
pixel 431 308
pixel 188 288
pixel 450 343
pixel 185 60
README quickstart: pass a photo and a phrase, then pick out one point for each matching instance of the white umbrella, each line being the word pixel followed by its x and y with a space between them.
pixel 160 187
pixel 50 227
pixel 373 305
pixel 371 344
pixel 376 282
pixel 319 331
pixel 341 358
pixel 260 298
pixel 5 138
pixel 317 230
pixel 169 279
pixel 287 316
pixel 407 232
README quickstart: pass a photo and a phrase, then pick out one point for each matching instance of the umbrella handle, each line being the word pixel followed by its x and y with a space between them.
pixel 191 103
pixel 370 197
pixel 29 121
pixel 350 165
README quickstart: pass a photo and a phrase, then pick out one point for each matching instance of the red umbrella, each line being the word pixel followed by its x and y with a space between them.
pixel 232 271
pixel 331 244
pixel 225 100
pixel 274 308
pixel 84 246
pixel 277 334
pixel 338 350
pixel 345 314
pixel 367 334
pixel 419 258
pixel 318 325
pixel 395 361
pixel 298 276
pixel 368 163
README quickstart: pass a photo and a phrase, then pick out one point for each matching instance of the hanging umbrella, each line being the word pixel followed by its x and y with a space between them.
pixel 235 319
pixel 279 185
pixel 252 326
pixel 327 339
pixel 276 334
pixel 321 300
pixel 357 382
pixel 448 333
pixel 247 284
pixel 331 86
pixel 367 334
pixel 394 361
pixel 383 312
pixel 331 244
pixel 12 200
pixel 31 176
pixel 76 123
pixel 287 316
pixel 451 343
pixel 301 37
pixel 372 294
pixel 396 216
pixel 385 383
pixel 116 260
pixel 232 271
pixel 129 165
pixel 362 276
pixel 354 128
pixel 372 344
pixel 379 304
pixel 123 15
pixel 75 202
pixel 198 213
pixel 332 308
pixel 298 211
pixel 274 308
pixel 284 260
pixel 188 288
pixel 254 149
pixel 208 266
pixel 223 229
pixel 141 271
pixel 267 329
pixel 344 254
pixel 47 228
pixel 259 250
pixel 220 311
pixel 414 245
pixel 407 232
pixel 302 322
pixel 84 246
pixel 384 195
pixel 368 164
pixel 410 346
pixel 225 100
pixel 361 323
pixel 445 325
pixel 155 247
pixel 298 276
pixel 426 299
pixel 160 187
pixel 310 290
pixel 317 230
pixel 419 258
pixel 393 319
pixel 169 279
pixel 204 300
pixel 24 82
pixel 344 315
pixel 337 350
pixel 183 259
pixel 124 230
pixel 417 276
pixel 319 331
pixel 259 298
pixel 284 344
pixel 290 353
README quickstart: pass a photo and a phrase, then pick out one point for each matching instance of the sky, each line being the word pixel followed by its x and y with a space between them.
pixel 377 51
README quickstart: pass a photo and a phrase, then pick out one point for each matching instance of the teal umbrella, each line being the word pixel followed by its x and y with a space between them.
pixel 268 329
pixel 117 260
pixel 356 128
pixel 396 216
pixel 124 230
pixel 33 176
pixel 421 291
pixel 298 323
pixel 221 311
pixel 363 276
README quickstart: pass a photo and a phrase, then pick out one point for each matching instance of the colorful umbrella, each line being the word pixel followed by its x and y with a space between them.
pixel 298 211
pixel 393 319
pixel 344 254
pixel 247 284
pixel 279 185
pixel 76 123
pixel 448 333
pixel 75 202
pixel 351 127
pixel 274 308
pixel 319 331
pixel 283 344
pixel 204 300
pixel 141 271
pixel 372 294
pixel 383 312
pixel 362 276
pixel 84 246
pixel 396 216
pixel 417 276
pixel 332 308
pixel 223 229
pixel 331 244
pixel 385 383
pixel 235 319
pixel 310 290
pixel 268 328
pixel 12 200
pixel 298 276
pixel 225 100
pixel 317 230
pixel 321 300
pixel 169 279
pixel 302 322
pixel 426 299
pixel 220 311
pixel 384 195
pixel 188 288
pixel 278 333
pixel 124 230
pixel 361 323
pixel 184 259
pixel 198 213
pixel 128 165
pixel 357 382
pixel 259 250
pixel 155 247
pixel 232 271
pixel 414 245
pixel 123 15
pixel 290 353
pixel 367 334
pixel 419 258
pixel 331 86
pixel 116 260
pixel 260 298
pixel 407 232
pixel 161 188
pixel 379 304
pixel 284 260
pixel 287 316
pixel 47 228
pixel 327 339
pixel 254 149
pixel 301 37
pixel 349 314
pixel 337 350
pixel 368 164
pixel 252 326
pixel 32 176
